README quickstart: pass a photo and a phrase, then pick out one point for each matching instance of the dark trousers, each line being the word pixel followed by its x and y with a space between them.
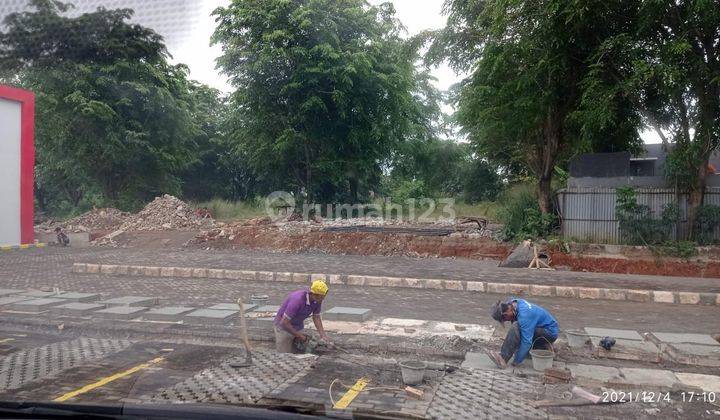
pixel 512 341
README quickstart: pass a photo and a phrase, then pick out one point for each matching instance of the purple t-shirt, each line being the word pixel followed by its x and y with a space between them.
pixel 298 307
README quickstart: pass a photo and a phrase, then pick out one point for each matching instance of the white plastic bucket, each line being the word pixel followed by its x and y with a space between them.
pixel 542 359
pixel 413 372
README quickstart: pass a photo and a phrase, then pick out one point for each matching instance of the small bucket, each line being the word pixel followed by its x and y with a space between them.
pixel 259 300
pixel 413 372
pixel 577 338
pixel 542 359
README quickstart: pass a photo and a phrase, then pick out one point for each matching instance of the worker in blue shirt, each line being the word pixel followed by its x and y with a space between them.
pixel 532 327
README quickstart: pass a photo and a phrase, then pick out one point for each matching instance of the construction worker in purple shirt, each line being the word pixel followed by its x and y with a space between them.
pixel 532 327
pixel 297 307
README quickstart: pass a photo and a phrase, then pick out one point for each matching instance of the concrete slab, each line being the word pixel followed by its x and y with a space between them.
pixel 694 354
pixel 233 307
pixel 168 313
pixel 403 322
pixel 262 322
pixel 37 294
pixel 79 297
pixel 341 313
pixel 131 301
pixel 478 360
pixel 5 292
pixel 708 383
pixel 120 312
pixel 76 308
pixel 36 305
pixel 647 378
pixel 9 300
pixel 698 349
pixel 703 339
pixel 210 316
pixel 628 350
pixel 593 374
pixel 608 332
pixel 267 308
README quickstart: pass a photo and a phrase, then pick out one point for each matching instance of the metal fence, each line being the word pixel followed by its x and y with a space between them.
pixel 588 214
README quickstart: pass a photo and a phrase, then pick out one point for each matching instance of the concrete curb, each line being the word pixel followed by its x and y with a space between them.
pixel 590 293
pixel 22 246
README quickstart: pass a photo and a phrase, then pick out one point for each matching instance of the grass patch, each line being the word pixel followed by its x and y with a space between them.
pixel 225 210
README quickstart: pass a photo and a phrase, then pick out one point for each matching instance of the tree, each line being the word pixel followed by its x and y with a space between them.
pixel 325 90
pixel 113 116
pixel 678 69
pixel 522 104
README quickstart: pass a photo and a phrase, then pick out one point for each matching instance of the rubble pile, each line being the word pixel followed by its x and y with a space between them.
pixel 104 219
pixel 165 213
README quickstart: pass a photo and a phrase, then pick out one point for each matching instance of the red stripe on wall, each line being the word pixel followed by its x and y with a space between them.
pixel 27 158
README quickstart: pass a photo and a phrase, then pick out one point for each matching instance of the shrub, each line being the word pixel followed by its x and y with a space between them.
pixel 708 219
pixel 637 226
pixel 521 215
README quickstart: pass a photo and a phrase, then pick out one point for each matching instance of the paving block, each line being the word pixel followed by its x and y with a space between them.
pixel 340 313
pixel 647 378
pixel 76 308
pixel 78 297
pixel 233 307
pixel 120 312
pixel 210 316
pixel 607 332
pixel 5 292
pixel 478 360
pixel 593 374
pixel 9 300
pixel 167 313
pixel 708 383
pixel 267 308
pixel 36 305
pixel 689 298
pixel 614 294
pixel 663 297
pixel 131 301
pixel 686 338
pixel 475 286
pixel 37 294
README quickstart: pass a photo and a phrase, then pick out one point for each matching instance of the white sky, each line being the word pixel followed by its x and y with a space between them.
pixel 416 15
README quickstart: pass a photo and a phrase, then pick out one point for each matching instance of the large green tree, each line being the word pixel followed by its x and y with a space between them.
pixel 114 118
pixel 325 90
pixel 523 104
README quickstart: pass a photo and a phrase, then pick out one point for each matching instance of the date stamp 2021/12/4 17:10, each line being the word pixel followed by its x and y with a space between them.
pixel 611 396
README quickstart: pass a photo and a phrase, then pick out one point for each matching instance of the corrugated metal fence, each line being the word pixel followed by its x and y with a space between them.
pixel 588 214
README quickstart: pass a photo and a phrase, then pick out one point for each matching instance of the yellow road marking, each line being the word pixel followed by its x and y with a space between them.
pixel 107 380
pixel 5 340
pixel 350 395
pixel 6 247
pixel 24 246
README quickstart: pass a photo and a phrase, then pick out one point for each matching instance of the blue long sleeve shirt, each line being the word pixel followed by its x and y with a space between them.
pixel 529 317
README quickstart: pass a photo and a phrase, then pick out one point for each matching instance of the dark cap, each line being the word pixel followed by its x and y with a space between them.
pixel 496 311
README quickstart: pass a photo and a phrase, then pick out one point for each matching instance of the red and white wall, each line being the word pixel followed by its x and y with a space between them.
pixel 17 161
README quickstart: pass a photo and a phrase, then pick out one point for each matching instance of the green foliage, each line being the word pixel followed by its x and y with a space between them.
pixel 408 189
pixel 521 216
pixel 636 224
pixel 678 249
pixel 114 119
pixel 325 92
pixel 523 106
pixel 233 210
pixel 708 220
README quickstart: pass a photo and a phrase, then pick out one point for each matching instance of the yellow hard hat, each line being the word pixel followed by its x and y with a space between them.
pixel 319 287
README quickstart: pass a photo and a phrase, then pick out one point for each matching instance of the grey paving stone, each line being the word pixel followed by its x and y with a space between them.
pixel 594 373
pixel 9 300
pixel 478 360
pixel 341 313
pixel 650 378
pixel 607 332
pixel 79 297
pixel 697 350
pixel 264 322
pixel 36 305
pixel 267 308
pixel 37 294
pixel 5 292
pixel 168 313
pixel 703 339
pixel 131 301
pixel 629 350
pixel 120 312
pixel 233 307
pixel 210 316
pixel 76 308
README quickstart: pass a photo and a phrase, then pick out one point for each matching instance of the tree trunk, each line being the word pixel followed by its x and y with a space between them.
pixel 695 198
pixel 545 200
pixel 551 140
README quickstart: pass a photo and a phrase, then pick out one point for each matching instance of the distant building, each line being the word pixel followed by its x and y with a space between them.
pixel 612 170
